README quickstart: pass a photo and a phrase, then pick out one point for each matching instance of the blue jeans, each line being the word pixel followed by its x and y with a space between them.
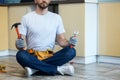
pixel 47 66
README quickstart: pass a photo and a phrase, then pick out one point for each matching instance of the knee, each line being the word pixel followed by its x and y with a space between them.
pixel 71 53
pixel 20 54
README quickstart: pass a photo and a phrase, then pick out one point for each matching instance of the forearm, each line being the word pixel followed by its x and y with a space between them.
pixel 63 43
pixel 61 40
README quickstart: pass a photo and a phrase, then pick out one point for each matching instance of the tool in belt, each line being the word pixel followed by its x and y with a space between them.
pixel 2 69
pixel 41 55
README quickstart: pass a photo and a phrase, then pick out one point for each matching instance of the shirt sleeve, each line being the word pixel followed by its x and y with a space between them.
pixel 60 27
pixel 23 27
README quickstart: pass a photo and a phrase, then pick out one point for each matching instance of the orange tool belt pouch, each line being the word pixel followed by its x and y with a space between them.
pixel 41 55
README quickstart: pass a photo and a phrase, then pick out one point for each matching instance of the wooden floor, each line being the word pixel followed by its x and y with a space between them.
pixel 95 71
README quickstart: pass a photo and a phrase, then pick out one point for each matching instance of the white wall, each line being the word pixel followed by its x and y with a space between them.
pixel 91 0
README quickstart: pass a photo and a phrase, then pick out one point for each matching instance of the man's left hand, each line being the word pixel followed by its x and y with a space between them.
pixel 73 41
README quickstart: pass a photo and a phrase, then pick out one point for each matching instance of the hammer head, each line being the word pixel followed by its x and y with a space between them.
pixel 15 25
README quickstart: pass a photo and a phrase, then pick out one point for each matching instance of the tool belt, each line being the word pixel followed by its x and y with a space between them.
pixel 41 55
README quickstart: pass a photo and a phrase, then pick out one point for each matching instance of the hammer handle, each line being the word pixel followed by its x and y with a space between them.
pixel 18 34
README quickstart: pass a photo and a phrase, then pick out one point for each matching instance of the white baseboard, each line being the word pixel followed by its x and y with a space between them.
pixel 84 60
pixel 7 52
pixel 90 59
pixel 109 59
pixel 12 52
pixel 98 59
pixel 77 59
pixel 4 52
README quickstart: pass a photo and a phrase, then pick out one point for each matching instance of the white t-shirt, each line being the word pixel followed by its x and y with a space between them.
pixel 41 30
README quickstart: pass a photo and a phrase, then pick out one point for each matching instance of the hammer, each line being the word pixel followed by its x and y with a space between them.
pixel 17 31
pixel 16 28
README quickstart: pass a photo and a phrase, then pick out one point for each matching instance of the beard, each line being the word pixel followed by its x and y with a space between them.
pixel 43 5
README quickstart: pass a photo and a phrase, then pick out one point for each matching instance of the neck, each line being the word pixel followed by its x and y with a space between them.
pixel 41 11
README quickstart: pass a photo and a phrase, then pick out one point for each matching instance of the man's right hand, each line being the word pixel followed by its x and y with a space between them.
pixel 20 44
